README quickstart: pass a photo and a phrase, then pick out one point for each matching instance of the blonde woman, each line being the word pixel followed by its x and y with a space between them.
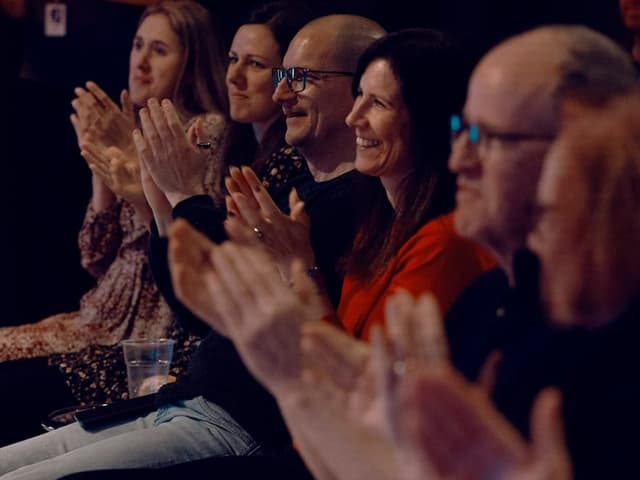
pixel 175 54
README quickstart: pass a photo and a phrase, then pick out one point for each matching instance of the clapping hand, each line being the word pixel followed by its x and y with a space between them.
pixel 262 313
pixel 254 219
pixel 175 164
pixel 156 199
pixel 445 427
pixel 344 367
pixel 99 120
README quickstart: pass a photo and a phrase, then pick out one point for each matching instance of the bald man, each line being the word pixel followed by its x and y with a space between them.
pixel 510 119
pixel 329 47
pixel 513 113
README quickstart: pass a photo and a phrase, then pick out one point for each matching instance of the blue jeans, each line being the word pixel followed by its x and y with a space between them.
pixel 188 430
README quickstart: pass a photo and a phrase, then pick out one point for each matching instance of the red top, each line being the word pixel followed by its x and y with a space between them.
pixel 434 260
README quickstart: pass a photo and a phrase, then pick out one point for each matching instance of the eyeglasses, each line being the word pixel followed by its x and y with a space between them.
pixel 481 136
pixel 297 76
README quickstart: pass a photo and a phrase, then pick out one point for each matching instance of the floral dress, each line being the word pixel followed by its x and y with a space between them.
pixel 125 303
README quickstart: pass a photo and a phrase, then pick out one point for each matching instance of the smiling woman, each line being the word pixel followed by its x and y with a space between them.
pixel 382 124
pixel 405 87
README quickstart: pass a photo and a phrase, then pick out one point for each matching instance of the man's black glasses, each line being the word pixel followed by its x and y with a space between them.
pixel 297 76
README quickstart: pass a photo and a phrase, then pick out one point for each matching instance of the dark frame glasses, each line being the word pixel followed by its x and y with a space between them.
pixel 297 76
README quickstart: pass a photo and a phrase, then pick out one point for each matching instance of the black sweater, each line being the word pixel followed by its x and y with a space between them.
pixel 216 370
pixel 595 370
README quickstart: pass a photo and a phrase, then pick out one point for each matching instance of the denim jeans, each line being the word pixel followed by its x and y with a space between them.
pixel 186 431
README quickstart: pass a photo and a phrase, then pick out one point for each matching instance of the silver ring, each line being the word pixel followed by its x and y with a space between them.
pixel 258 233
pixel 204 145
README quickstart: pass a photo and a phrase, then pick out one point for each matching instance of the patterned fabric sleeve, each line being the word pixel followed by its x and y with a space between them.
pixel 135 230
pixel 285 169
pixel 282 168
pixel 99 238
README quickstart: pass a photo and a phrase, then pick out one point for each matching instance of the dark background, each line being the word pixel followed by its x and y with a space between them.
pixel 45 184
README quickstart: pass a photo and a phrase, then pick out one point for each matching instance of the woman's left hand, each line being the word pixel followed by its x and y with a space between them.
pixel 176 165
pixel 445 427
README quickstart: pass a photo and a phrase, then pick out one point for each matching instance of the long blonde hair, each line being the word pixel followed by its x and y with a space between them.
pixel 201 84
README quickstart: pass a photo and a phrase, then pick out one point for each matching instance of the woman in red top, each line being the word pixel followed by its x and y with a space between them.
pixel 404 86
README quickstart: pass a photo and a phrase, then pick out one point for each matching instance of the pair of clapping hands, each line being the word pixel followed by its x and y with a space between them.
pixel 157 165
pixel 392 409
pixel 402 391
pixel 259 228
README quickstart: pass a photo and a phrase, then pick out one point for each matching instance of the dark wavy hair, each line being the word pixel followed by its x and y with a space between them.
pixel 284 19
pixel 432 72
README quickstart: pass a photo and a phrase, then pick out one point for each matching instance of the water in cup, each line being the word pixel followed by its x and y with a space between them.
pixel 148 362
pixel 146 377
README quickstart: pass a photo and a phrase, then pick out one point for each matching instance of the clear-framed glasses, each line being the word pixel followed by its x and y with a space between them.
pixel 297 76
pixel 480 136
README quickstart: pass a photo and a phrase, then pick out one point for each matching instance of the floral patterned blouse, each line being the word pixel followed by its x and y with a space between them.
pixel 125 303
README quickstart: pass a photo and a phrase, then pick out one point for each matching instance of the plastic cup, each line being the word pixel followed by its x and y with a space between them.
pixel 148 362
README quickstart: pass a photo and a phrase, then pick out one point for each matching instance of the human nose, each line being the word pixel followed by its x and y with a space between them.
pixel 355 115
pixel 283 92
pixel 463 154
pixel 141 59
pixel 235 76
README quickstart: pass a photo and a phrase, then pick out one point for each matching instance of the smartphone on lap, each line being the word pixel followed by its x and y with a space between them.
pixel 100 416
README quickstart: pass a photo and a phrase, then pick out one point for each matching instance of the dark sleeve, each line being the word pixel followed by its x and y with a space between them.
pixel 335 209
pixel 331 238
pixel 201 212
